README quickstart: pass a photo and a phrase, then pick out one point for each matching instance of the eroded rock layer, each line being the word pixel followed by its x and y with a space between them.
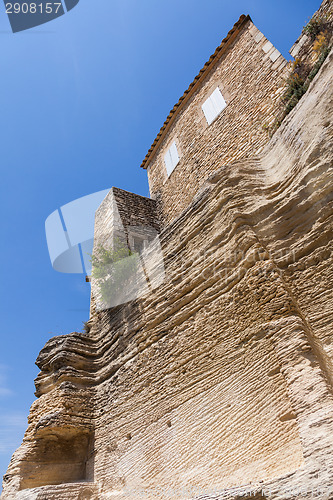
pixel 219 383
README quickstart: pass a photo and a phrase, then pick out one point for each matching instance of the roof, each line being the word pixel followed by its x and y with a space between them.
pixel 220 50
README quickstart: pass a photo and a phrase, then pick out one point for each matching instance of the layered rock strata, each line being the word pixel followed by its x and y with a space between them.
pixel 219 383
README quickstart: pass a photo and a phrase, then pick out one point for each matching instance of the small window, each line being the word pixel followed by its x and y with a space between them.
pixel 171 158
pixel 213 106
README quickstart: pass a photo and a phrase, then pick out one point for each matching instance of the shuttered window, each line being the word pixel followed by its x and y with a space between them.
pixel 213 106
pixel 171 158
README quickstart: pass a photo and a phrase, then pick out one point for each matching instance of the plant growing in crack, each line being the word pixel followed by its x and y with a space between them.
pixel 316 25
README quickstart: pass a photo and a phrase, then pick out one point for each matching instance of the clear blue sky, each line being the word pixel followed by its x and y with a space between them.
pixel 82 99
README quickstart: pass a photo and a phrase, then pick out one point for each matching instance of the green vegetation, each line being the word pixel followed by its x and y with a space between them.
pixel 319 29
pixel 301 75
pixel 295 88
pixel 316 25
pixel 113 270
pixel 324 51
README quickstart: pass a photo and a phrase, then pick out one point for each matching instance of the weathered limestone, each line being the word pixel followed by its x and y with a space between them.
pixel 221 379
pixel 217 381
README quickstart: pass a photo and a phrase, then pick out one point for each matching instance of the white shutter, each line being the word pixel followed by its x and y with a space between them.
pixel 213 106
pixel 171 158
pixel 218 101
pixel 174 154
pixel 208 110
pixel 168 162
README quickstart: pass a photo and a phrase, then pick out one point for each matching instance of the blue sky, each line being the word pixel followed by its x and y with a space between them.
pixel 82 99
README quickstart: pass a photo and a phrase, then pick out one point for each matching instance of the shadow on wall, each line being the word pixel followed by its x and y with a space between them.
pixel 63 456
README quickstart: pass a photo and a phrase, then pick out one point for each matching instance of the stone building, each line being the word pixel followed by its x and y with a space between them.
pixel 220 118
pixel 216 382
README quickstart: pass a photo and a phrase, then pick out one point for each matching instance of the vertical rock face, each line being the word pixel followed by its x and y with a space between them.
pixel 221 378
pixel 218 383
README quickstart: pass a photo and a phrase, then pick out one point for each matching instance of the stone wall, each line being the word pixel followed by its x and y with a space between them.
pixel 250 74
pixel 221 378
pixel 123 220
pixel 303 47
pixel 121 210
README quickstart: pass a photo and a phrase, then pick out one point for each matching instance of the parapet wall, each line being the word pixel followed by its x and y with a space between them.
pixel 303 47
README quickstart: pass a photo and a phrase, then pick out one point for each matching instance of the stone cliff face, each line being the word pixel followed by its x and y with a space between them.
pixel 221 379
